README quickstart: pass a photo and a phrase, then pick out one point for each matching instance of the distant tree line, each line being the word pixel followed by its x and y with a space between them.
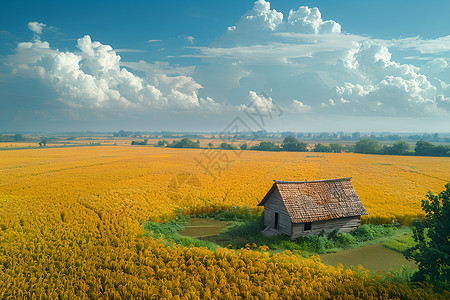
pixel 12 137
pixel 141 143
pixel 292 144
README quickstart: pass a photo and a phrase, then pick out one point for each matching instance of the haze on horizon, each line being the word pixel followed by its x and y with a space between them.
pixel 196 66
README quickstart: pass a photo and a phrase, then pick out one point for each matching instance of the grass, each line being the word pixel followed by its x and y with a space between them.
pixel 245 226
pixel 400 243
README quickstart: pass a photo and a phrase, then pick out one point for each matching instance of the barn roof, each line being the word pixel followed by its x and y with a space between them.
pixel 309 201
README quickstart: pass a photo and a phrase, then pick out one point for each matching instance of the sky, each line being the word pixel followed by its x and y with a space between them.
pixel 348 65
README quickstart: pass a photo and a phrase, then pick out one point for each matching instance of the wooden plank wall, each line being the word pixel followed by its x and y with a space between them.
pixel 342 224
pixel 275 204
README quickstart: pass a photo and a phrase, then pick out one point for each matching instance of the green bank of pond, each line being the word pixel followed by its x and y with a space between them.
pixel 203 228
pixel 375 257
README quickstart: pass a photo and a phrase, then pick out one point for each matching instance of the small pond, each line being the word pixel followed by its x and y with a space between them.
pixel 373 257
pixel 203 228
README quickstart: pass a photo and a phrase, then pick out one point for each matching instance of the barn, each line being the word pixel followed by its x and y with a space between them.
pixel 297 208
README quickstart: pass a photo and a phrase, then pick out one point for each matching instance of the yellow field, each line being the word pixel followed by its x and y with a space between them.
pixel 70 220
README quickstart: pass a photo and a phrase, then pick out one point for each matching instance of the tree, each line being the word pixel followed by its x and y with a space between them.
pixel 290 143
pixel 243 146
pixel 356 136
pixel 321 148
pixel 266 146
pixel 43 142
pixel 423 148
pixel 162 143
pixel 19 137
pixel 367 146
pixel 400 147
pixel 185 143
pixel 225 146
pixel 336 148
pixel 432 251
pixel 210 145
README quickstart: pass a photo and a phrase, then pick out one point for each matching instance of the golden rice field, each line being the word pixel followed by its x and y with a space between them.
pixel 71 222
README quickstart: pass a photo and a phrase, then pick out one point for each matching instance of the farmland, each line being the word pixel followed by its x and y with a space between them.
pixel 72 221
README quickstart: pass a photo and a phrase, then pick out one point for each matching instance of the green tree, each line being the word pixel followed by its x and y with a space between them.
pixel 243 146
pixel 432 251
pixel 336 148
pixel 266 146
pixel 210 145
pixel 225 146
pixel 423 148
pixel 290 143
pixel 321 148
pixel 19 137
pixel 367 146
pixel 43 142
pixel 400 147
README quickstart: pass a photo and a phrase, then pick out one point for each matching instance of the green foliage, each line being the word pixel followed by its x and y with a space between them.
pixel 244 146
pixel 336 148
pixel 266 146
pixel 367 146
pixel 400 243
pixel 322 148
pixel 290 143
pixel 184 143
pixel 424 148
pixel 341 240
pixel 432 251
pixel 368 232
pixel 142 143
pixel 43 142
pixel 162 143
pixel 225 146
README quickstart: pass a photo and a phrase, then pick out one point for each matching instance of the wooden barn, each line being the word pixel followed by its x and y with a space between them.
pixel 298 208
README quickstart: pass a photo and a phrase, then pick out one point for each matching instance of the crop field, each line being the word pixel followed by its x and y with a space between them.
pixel 71 221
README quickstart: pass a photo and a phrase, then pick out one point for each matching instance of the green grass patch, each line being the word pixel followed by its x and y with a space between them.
pixel 245 226
pixel 400 243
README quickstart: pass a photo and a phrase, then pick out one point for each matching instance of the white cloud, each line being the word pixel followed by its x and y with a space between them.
pixel 259 102
pixel 309 20
pixel 190 39
pixel 304 56
pixel 300 106
pixel 430 46
pixel 36 27
pixel 94 78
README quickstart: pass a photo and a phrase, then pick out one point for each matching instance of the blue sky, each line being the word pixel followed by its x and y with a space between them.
pixel 196 65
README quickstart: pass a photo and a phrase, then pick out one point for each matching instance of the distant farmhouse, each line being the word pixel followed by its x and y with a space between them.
pixel 297 208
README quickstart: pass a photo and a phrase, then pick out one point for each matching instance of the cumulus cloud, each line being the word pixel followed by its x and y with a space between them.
pixel 190 39
pixel 300 107
pixel 430 46
pixel 94 77
pixel 36 27
pixel 260 102
pixel 383 85
pixel 303 56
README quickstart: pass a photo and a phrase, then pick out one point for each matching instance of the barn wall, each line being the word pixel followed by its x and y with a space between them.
pixel 342 224
pixel 275 204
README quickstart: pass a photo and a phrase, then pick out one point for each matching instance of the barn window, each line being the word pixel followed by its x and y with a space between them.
pixel 275 223
pixel 307 226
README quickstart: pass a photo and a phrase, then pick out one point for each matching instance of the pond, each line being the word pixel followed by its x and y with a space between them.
pixel 203 228
pixel 373 257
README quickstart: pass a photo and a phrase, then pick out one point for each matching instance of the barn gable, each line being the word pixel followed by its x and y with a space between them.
pixel 312 201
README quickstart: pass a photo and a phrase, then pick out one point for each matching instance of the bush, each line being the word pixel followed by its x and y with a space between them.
pixel 341 239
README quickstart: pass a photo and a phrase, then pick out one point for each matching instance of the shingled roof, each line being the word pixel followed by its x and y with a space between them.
pixel 309 201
